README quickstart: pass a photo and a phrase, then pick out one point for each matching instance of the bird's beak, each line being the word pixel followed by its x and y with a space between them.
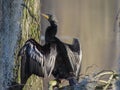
pixel 44 15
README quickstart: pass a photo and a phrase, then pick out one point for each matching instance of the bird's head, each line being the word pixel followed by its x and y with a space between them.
pixel 49 17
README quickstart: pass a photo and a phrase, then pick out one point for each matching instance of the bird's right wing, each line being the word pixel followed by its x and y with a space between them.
pixel 46 60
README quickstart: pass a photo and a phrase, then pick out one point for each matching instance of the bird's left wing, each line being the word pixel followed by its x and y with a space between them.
pixel 75 57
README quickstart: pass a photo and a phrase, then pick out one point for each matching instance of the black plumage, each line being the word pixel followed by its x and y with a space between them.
pixel 61 60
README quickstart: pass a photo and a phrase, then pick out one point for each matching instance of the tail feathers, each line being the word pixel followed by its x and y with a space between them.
pixel 76 45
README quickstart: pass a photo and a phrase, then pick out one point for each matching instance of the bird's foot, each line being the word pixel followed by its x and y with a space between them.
pixel 54 85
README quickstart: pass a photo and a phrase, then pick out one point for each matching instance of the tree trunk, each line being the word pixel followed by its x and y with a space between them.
pixel 16 26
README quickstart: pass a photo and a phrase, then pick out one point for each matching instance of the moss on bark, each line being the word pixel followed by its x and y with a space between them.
pixel 31 29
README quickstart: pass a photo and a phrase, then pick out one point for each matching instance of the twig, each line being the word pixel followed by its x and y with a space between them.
pixel 102 73
pixel 109 82
pixel 90 67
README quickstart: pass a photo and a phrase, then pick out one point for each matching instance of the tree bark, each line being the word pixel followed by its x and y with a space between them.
pixel 16 26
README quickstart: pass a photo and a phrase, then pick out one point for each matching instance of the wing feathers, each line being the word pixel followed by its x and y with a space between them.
pixel 46 59
pixel 75 58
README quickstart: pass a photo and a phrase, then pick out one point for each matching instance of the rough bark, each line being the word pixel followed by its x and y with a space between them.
pixel 30 29
pixel 16 26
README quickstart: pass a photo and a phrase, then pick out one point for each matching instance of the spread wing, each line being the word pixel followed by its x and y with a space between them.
pixel 36 53
pixel 75 56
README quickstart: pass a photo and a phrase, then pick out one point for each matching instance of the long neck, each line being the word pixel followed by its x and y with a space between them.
pixel 52 22
pixel 51 32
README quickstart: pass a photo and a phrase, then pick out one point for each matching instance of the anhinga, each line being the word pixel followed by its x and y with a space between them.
pixel 61 60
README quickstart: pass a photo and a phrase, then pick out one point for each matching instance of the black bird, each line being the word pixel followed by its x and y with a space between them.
pixel 69 56
pixel 61 60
